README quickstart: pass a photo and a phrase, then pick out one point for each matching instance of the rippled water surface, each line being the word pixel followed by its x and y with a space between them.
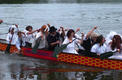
pixel 107 16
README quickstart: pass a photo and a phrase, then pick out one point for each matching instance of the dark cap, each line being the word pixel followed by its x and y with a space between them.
pixel 52 29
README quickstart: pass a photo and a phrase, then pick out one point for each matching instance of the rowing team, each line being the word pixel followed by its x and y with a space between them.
pixel 49 37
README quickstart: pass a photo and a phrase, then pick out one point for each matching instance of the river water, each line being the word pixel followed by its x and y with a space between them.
pixel 107 16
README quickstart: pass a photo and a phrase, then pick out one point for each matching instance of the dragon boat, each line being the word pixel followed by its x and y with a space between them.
pixel 112 64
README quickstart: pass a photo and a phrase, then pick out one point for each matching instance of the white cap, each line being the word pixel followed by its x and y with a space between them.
pixel 111 34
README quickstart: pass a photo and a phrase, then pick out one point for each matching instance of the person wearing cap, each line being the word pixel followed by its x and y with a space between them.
pixel 114 44
pixel 15 39
pixel 16 29
pixel 41 35
pixel 11 37
pixel 29 36
pixel 113 41
pixel 53 38
pixel 110 36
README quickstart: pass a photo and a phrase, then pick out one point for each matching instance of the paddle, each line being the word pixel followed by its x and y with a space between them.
pixel 34 49
pixel 9 45
pixel 106 55
pixel 59 49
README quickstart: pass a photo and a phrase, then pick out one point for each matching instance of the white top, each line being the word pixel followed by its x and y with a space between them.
pixel 117 55
pixel 39 34
pixel 9 37
pixel 18 42
pixel 71 47
pixel 15 40
pixel 96 48
pixel 111 35
pixel 109 39
pixel 29 37
pixel 42 42
pixel 79 37
pixel 109 46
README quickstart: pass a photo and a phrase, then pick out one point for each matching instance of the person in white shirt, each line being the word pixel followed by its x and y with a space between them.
pixel 110 36
pixel 113 41
pixel 11 37
pixel 100 47
pixel 70 39
pixel 89 39
pixel 29 36
pixel 114 44
pixel 16 29
pixel 41 37
pixel 20 41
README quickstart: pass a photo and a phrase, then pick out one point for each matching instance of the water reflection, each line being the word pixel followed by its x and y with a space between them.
pixel 21 74
pixel 14 67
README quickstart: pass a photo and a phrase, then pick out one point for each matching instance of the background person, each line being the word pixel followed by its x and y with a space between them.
pixel 89 39
pixel 29 36
pixel 53 38
pixel 99 47
pixel 70 39
pixel 41 37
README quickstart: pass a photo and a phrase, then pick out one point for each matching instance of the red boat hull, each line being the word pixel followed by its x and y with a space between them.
pixel 68 58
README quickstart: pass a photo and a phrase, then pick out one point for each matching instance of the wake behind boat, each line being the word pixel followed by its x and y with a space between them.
pixel 66 57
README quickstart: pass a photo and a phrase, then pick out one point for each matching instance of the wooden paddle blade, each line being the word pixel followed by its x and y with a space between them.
pixel 106 55
pixel 34 49
pixel 8 49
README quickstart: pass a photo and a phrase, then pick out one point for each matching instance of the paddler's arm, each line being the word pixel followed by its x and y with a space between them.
pixel 54 43
pixel 78 29
pixel 47 29
pixel 48 25
pixel 33 31
pixel 90 32
pixel 82 37
pixel 8 38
